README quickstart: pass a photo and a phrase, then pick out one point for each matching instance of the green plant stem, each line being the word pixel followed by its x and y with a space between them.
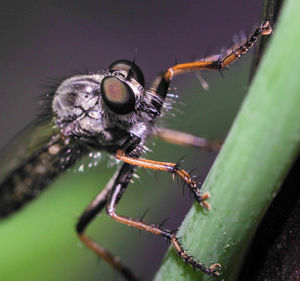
pixel 259 150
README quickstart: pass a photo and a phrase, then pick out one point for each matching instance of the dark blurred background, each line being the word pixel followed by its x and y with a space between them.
pixel 43 40
pixel 48 39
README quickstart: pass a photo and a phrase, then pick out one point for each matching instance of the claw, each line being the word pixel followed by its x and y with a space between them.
pixel 205 196
pixel 215 269
pixel 202 200
pixel 266 28
pixel 205 205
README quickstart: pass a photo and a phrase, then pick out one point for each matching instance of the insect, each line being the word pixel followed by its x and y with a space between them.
pixel 111 111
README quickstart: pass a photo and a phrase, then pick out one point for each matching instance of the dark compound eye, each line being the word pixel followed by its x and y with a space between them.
pixel 117 95
pixel 127 65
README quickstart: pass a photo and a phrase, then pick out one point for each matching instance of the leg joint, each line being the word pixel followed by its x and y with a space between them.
pixel 110 211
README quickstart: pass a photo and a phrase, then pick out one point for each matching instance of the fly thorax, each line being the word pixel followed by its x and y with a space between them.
pixel 77 107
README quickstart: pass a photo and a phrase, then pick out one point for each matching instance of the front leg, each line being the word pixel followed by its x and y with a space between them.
pixel 172 168
pixel 167 234
pixel 215 62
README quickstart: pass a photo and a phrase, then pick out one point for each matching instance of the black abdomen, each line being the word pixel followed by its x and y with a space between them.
pixel 34 174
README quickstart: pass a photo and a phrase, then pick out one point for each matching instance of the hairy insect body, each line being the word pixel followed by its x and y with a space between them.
pixel 81 123
pixel 80 111
pixel 112 111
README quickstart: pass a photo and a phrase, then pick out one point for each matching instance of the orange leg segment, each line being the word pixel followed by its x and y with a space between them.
pixel 167 167
pixel 185 139
pixel 213 270
pixel 220 63
pixel 93 209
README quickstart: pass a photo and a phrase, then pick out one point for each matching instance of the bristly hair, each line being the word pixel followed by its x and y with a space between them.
pixel 45 114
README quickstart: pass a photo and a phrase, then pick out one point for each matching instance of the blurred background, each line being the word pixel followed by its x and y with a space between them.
pixel 44 40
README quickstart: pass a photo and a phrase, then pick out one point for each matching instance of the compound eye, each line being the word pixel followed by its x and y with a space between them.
pixel 127 65
pixel 117 95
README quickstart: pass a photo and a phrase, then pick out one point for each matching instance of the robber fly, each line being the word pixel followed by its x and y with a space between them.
pixel 110 111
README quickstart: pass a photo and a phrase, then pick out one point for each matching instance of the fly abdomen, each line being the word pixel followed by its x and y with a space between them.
pixel 27 180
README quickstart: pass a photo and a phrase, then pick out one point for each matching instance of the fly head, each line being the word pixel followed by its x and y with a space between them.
pixel 94 105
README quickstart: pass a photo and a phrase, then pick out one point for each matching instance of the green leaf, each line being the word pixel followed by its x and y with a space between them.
pixel 258 152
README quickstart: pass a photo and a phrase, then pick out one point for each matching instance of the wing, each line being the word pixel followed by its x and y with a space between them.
pixel 23 145
pixel 30 161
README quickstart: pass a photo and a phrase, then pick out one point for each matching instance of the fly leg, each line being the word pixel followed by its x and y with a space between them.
pixel 185 139
pixel 121 177
pixel 167 234
pixel 222 61
pixel 171 168
pixel 219 62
